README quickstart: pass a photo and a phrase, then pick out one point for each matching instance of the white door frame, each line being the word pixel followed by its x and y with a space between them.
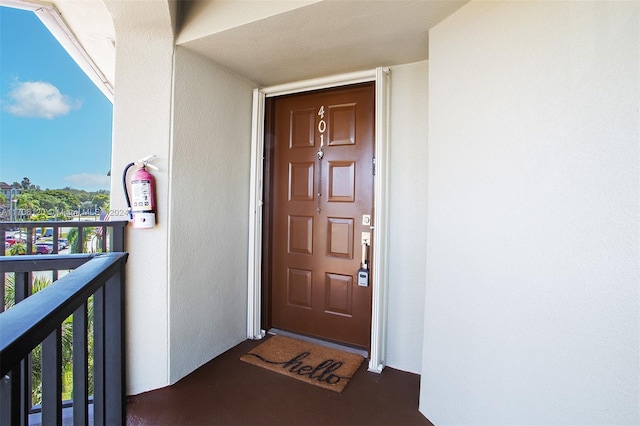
pixel 377 358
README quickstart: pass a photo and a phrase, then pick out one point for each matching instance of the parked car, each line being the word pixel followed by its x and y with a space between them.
pixel 10 239
pixel 63 243
pixel 19 237
pixel 43 248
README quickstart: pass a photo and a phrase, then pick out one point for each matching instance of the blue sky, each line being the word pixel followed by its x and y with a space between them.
pixel 55 125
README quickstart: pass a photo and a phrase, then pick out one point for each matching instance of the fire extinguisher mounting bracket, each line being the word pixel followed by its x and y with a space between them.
pixel 145 162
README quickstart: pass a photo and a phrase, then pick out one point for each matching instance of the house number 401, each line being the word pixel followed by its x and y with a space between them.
pixel 322 125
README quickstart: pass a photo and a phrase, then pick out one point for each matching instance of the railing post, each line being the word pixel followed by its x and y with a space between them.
pixel 52 379
pixel 80 367
pixel 12 408
pixel 103 239
pixel 114 348
pixel 80 240
pixel 118 238
pixel 21 376
pixel 22 289
pixel 54 238
pixel 99 371
pixel 6 407
pixel 30 237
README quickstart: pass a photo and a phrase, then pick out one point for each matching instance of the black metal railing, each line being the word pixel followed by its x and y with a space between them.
pixel 38 320
pixel 20 277
pixel 90 236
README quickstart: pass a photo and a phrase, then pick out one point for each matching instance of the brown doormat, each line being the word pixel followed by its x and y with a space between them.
pixel 325 367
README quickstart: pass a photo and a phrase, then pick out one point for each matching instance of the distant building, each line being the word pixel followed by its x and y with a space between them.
pixel 6 189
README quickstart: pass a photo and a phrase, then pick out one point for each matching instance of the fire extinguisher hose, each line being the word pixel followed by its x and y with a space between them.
pixel 126 192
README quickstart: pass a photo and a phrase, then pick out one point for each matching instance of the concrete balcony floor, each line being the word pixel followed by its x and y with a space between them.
pixel 227 391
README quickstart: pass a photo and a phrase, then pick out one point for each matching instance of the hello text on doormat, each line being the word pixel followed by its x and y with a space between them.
pixel 317 365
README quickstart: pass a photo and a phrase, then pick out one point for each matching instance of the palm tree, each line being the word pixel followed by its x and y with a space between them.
pixel 88 234
pixel 17 249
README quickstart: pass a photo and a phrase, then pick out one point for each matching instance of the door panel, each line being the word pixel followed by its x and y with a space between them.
pixel 317 207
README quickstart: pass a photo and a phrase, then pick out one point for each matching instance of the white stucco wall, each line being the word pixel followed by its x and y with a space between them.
pixel 407 215
pixel 138 132
pixel 210 173
pixel 531 301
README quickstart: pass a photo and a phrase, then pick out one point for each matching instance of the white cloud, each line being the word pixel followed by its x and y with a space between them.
pixel 89 181
pixel 39 99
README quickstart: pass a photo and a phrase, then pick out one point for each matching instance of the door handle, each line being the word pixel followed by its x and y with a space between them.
pixel 365 253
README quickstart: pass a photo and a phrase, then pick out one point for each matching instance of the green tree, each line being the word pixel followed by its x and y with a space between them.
pixel 26 183
pixel 28 201
pixel 39 217
pixel 50 202
pixel 88 235
pixel 81 194
pixel 101 200
pixel 57 203
pixel 17 249
pixel 65 198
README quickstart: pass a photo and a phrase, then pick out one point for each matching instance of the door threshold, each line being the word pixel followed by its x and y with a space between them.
pixel 332 345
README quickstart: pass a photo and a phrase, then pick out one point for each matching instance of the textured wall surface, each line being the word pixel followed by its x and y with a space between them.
pixel 209 211
pixel 531 312
pixel 407 215
pixel 139 132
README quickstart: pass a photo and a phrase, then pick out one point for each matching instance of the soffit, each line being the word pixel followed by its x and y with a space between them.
pixel 84 29
pixel 91 24
pixel 269 42
pixel 200 18
pixel 313 39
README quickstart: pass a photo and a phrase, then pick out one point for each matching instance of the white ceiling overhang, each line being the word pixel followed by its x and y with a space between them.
pixel 269 42
pixel 296 40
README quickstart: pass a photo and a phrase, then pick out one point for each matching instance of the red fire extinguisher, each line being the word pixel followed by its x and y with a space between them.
pixel 141 205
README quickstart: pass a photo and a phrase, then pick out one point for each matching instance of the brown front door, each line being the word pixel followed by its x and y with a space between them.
pixel 323 149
